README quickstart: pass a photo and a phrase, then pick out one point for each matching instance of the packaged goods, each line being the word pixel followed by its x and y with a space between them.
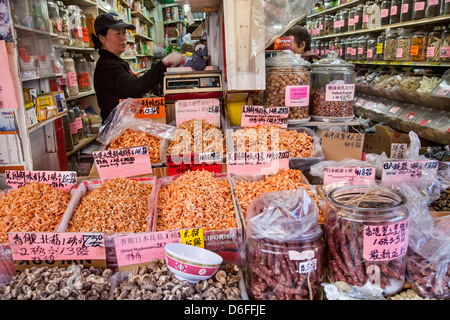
pixel 434 44
pixel 445 46
pixel 419 43
pixel 403 46
pixel 390 45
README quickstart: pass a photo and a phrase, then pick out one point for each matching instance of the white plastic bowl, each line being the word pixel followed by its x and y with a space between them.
pixel 191 263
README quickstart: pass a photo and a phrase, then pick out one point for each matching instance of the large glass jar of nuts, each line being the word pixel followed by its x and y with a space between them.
pixel 287 84
pixel 332 89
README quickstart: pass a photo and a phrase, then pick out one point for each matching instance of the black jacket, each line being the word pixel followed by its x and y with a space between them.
pixel 114 80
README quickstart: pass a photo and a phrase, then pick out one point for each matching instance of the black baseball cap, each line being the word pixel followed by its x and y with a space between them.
pixel 110 20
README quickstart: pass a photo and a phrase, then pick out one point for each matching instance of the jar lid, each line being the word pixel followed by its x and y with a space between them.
pixel 332 60
pixel 287 58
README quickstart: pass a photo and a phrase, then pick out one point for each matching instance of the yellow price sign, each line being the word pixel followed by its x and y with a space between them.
pixel 193 237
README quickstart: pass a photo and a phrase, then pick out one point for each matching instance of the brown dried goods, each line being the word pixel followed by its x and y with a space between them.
pixel 333 109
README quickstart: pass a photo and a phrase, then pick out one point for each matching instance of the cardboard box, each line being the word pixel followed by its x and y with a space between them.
pixel 55 102
pixel 382 140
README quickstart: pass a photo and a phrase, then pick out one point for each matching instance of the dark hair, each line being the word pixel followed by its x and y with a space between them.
pixel 96 41
pixel 300 34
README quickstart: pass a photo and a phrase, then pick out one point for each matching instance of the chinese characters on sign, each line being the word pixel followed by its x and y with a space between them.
pixel 252 116
pixel 407 170
pixel 152 108
pixel 263 162
pixel 338 174
pixel 201 109
pixel 209 161
pixel 385 242
pixel 340 92
pixel 63 180
pixel 341 145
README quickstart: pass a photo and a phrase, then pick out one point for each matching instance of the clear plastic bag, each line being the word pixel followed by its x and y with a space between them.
pixel 284 247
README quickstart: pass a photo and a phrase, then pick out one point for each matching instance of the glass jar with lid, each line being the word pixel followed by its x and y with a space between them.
pixel 359 12
pixel 366 14
pixel 344 20
pixel 444 55
pixel 390 45
pixel 434 44
pixel 65 30
pixel 418 9
pixel 348 49
pixel 446 7
pixel 433 8
pixel 73 123
pixel 332 89
pixel 67 133
pixel 54 18
pixel 82 69
pixel 418 50
pixel 379 53
pixel 287 84
pixel 338 47
pixel 386 6
pixel 355 42
pixel 394 14
pixel 357 213
pixel 406 10
pixel 371 48
pixel 76 29
pixel 351 19
pixel 79 121
pixel 320 23
pixel 403 46
pixel 85 30
pixel 361 54
pixel 336 23
pixel 70 70
pixel 329 29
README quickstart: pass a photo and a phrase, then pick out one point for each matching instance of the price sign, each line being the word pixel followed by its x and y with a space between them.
pixel 407 170
pixel 398 150
pixel 339 174
pixel 209 161
pixel 263 162
pixel 152 108
pixel 52 246
pixel 341 145
pixel 252 116
pixel 201 109
pixel 62 180
pixel 141 248
pixel 125 162
pixel 340 92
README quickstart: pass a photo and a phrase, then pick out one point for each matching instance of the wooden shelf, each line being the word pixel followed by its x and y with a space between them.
pixel 44 123
pixel 140 15
pixel 333 9
pixel 81 95
pixel 83 143
pixel 141 36
pixel 404 63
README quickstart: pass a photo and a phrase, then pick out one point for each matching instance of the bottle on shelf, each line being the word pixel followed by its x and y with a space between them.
pixel 67 132
pixel 86 124
pixel 73 124
pixel 79 121
pixel 71 72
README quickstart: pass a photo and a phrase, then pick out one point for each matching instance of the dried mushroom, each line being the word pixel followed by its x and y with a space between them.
pixel 156 282
pixel 57 283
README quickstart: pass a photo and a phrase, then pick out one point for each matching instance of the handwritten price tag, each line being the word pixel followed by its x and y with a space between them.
pixel 339 174
pixel 152 108
pixel 252 116
pixel 57 246
pixel 62 180
pixel 264 162
pixel 126 162
pixel 177 164
pixel 201 109
pixel 407 170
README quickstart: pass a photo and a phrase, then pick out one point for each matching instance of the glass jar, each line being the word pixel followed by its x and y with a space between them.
pixel 445 46
pixel 370 217
pixel 403 46
pixel 418 50
pixel 351 19
pixel 390 45
pixel 355 42
pixel 366 14
pixel 316 27
pixel 338 47
pixel 67 133
pixel 54 18
pixel 65 30
pixel 344 20
pixel 359 12
pixel 336 23
pixel 434 44
pixel 70 70
pixel 85 30
pixel 321 26
pixel 361 54
pixel 332 89
pixel 371 48
pixel 406 10
pixel 82 69
pixel 418 9
pixel 329 29
pixel 433 8
pixel 447 7
pixel 348 49
pixel 386 6
pixel 73 124
pixel 379 53
pixel 86 124
pixel 287 85
pixel 394 14
pixel 79 121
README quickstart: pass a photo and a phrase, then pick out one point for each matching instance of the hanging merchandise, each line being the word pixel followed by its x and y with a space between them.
pixel 71 72
pixel 284 247
pixel 332 89
pixel 358 253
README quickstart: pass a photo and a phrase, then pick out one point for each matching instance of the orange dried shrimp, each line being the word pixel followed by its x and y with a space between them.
pixel 263 138
pixel 288 179
pixel 206 135
pixel 196 199
pixel 130 138
pixel 33 207
pixel 117 205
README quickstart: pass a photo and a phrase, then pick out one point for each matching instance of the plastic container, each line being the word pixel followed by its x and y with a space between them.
pixel 360 221
pixel 434 44
pixel 379 53
pixel 386 6
pixel 294 238
pixel 418 50
pixel 69 66
pixel 403 46
pixel 54 18
pixel 75 26
pixel 419 9
pixel 406 10
pixel 65 29
pixel 287 84
pixel 39 12
pixel 332 89
pixel 394 14
pixel 390 45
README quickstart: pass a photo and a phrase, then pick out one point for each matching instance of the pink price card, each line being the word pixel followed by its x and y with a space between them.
pixel 252 116
pixel 200 109
pixel 177 164
pixel 126 162
pixel 57 246
pixel 404 170
pixel 297 96
pixel 385 242
pixel 143 247
pixel 264 162
pixel 340 174
pixel 61 180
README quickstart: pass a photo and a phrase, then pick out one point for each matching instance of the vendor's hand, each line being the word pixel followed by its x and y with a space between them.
pixel 173 59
